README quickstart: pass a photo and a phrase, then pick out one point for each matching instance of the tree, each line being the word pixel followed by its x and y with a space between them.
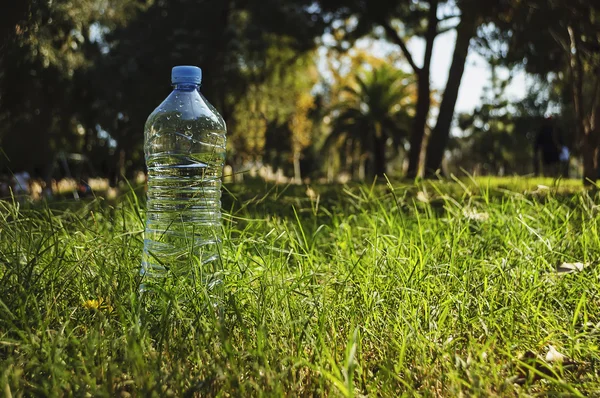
pixel 471 16
pixel 46 97
pixel 401 20
pixel 239 45
pixel 498 137
pixel 73 72
pixel 565 52
pixel 262 126
pixel 474 15
pixel 37 68
pixel 12 20
pixel 301 127
pixel 373 111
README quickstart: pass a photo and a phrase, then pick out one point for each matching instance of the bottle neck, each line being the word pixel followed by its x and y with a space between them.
pixel 186 86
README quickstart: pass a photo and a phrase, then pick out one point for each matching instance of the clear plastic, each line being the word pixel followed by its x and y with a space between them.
pixel 185 151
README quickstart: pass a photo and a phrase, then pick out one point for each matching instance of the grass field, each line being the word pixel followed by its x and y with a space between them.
pixel 435 289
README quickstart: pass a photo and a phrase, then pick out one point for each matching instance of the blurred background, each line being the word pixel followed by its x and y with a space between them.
pixel 323 91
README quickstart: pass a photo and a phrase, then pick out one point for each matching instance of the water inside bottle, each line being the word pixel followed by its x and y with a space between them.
pixel 183 219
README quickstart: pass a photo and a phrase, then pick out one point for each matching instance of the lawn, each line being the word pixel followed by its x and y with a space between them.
pixel 434 289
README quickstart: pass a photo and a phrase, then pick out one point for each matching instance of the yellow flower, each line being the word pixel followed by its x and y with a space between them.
pixel 99 304
pixel 91 304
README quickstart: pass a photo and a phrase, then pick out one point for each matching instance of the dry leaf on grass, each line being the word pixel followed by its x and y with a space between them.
pixel 540 189
pixel 568 268
pixel 554 356
pixel 422 197
pixel 474 215
pixel 312 195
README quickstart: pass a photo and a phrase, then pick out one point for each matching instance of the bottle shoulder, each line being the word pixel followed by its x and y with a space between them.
pixel 186 107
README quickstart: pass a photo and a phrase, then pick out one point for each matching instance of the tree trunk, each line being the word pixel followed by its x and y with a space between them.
pixel 590 160
pixel 379 156
pixel 419 123
pixel 423 96
pixel 590 148
pixel 362 168
pixel 329 161
pixel 588 125
pixel 441 132
pixel 297 173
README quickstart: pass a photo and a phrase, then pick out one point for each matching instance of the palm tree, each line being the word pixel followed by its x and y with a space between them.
pixel 373 111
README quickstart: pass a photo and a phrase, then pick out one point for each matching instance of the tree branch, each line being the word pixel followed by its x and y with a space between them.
pixel 576 81
pixel 444 30
pixel 447 17
pixel 574 32
pixel 393 34
pixel 430 34
pixel 595 105
pixel 565 46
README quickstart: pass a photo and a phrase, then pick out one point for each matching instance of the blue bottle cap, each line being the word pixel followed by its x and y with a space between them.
pixel 186 74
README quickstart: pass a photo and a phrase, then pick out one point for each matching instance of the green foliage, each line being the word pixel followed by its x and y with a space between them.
pixel 76 66
pixel 260 123
pixel 47 102
pixel 242 54
pixel 37 68
pixel 367 15
pixel 74 75
pixel 564 54
pixel 498 137
pixel 523 36
pixel 372 111
pixel 416 290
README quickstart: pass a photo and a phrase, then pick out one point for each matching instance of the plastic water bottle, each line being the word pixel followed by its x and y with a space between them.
pixel 185 151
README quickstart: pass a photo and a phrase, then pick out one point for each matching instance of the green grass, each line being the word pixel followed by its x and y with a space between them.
pixel 433 290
